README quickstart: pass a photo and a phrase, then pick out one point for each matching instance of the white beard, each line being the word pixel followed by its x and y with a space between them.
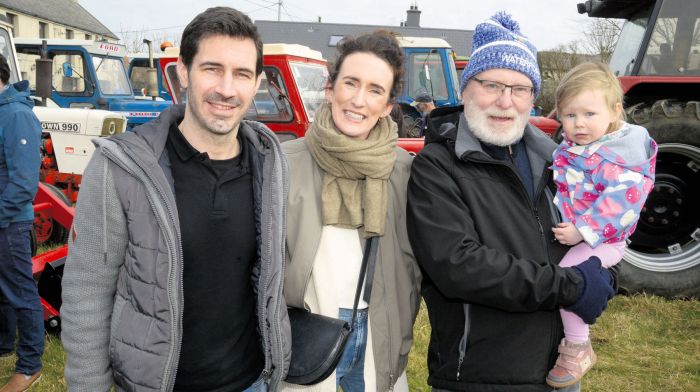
pixel 478 123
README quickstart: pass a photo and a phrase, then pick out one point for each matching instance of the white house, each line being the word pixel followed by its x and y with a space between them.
pixel 54 19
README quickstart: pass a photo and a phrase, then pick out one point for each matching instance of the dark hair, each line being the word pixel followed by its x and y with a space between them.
pixel 4 70
pixel 381 43
pixel 219 21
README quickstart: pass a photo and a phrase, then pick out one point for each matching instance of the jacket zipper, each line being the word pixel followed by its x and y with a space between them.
pixel 174 245
pixel 540 189
pixel 465 337
pixel 277 333
pixel 263 293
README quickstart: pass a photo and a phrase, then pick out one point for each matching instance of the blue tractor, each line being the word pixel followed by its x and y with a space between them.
pixel 87 74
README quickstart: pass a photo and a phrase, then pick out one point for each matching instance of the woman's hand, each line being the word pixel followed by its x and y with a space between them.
pixel 567 234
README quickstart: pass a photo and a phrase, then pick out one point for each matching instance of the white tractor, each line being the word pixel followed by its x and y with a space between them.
pixel 66 144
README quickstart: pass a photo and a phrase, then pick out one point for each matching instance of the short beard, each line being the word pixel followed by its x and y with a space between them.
pixel 215 125
pixel 478 124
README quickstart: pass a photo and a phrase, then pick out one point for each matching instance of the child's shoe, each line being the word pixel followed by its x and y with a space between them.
pixel 575 359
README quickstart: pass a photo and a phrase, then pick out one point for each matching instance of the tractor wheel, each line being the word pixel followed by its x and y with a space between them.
pixel 663 256
pixel 46 229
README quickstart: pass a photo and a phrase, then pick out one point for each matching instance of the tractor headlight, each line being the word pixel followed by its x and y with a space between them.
pixel 112 126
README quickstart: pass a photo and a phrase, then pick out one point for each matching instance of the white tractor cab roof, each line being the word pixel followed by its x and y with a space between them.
pixel 292 50
pixel 93 47
pixel 422 42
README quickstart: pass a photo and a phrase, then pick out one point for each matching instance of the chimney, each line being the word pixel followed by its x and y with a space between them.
pixel 413 16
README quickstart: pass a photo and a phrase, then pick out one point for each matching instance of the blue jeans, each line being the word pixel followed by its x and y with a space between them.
pixel 258 386
pixel 350 372
pixel 8 327
pixel 18 290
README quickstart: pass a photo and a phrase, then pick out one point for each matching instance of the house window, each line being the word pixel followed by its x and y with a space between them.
pixel 334 39
pixel 69 34
pixel 43 30
pixel 88 37
pixel 12 19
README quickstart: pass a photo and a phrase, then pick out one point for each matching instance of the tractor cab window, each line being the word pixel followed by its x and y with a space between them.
pixel 138 76
pixel 271 103
pixel 624 57
pixel 425 73
pixel 674 45
pixel 111 76
pixel 69 74
pixel 454 75
pixel 171 78
pixel 6 51
pixel 311 81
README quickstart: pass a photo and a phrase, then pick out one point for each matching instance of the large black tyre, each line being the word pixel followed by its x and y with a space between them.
pixel 663 256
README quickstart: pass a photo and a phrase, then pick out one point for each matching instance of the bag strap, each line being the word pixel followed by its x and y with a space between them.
pixel 368 258
pixel 369 277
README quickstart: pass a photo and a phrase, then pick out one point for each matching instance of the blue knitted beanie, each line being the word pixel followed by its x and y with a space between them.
pixel 498 43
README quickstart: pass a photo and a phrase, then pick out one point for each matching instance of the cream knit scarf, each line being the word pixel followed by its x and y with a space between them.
pixel 356 172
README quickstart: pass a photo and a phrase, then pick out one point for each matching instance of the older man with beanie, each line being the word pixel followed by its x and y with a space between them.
pixel 20 306
pixel 479 216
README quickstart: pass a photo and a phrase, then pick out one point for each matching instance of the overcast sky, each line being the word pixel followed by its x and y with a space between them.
pixel 547 23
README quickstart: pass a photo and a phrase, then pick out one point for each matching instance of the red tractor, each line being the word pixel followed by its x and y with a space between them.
pixel 657 59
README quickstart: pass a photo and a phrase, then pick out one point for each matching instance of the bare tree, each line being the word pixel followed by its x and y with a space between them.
pixel 598 42
pixel 133 40
pixel 553 65
pixel 600 37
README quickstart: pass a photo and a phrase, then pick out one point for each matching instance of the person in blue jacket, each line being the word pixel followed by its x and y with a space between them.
pixel 20 135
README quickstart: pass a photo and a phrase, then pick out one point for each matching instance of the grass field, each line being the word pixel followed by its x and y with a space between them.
pixel 644 344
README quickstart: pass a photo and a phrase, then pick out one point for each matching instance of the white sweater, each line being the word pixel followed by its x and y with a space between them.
pixel 333 283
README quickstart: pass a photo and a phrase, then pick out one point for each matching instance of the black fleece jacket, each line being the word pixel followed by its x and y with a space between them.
pixel 491 280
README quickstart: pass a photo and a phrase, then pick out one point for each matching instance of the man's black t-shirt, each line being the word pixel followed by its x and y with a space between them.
pixel 221 348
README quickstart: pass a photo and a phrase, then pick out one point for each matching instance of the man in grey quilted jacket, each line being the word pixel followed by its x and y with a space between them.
pixel 175 268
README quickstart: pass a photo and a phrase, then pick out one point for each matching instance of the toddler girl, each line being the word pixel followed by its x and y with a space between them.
pixel 603 169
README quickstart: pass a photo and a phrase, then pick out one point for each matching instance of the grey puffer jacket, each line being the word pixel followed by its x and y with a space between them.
pixel 122 284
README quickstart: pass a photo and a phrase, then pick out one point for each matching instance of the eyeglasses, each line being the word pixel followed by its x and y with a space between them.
pixel 497 88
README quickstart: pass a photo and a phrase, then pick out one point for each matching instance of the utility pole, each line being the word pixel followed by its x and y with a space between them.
pixel 279 10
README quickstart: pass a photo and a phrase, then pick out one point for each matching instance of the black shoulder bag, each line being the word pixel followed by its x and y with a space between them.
pixel 318 341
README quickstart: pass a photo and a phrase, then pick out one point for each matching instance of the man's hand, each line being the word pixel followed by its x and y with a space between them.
pixel 567 234
pixel 595 290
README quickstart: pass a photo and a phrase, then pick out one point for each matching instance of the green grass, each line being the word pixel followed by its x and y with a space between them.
pixel 52 373
pixel 644 344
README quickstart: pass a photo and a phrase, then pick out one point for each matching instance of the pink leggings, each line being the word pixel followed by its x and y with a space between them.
pixel 575 330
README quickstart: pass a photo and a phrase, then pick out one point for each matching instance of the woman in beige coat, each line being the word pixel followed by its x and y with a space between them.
pixel 347 183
